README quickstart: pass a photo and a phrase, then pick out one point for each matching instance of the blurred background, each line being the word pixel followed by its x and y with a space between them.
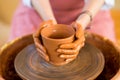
pixel 7 8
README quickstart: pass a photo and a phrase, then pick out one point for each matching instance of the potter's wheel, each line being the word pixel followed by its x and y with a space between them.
pixel 88 65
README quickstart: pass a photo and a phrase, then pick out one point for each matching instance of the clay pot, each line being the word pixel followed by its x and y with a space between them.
pixel 53 37
pixel 110 51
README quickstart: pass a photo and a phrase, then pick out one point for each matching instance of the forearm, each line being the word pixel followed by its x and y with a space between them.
pixel 44 9
pixel 93 6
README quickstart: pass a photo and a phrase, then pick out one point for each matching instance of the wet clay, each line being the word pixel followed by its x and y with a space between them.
pixel 53 37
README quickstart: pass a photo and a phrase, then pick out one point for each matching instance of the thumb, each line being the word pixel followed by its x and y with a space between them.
pixel 78 28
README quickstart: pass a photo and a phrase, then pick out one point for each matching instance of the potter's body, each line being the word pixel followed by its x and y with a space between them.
pixel 26 20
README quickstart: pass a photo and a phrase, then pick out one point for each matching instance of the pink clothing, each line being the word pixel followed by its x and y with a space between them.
pixel 26 20
pixel 66 13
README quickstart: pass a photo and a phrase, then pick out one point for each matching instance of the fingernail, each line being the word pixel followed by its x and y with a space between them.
pixel 61 46
pixel 58 50
pixel 68 60
pixel 61 56
pixel 83 44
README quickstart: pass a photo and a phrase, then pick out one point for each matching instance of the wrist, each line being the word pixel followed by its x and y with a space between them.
pixel 84 20
pixel 87 12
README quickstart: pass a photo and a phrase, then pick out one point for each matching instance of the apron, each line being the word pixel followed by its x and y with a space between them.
pixel 26 20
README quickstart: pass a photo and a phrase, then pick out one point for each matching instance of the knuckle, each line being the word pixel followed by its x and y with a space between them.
pixel 75 51
pixel 61 50
pixel 78 48
pixel 68 60
pixel 74 45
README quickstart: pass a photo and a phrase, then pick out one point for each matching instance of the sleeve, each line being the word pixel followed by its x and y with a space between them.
pixel 107 5
pixel 27 3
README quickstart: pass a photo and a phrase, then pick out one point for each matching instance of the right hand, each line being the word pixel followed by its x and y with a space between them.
pixel 69 51
pixel 38 40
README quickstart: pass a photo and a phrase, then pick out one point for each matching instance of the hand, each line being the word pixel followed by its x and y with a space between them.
pixel 70 51
pixel 38 40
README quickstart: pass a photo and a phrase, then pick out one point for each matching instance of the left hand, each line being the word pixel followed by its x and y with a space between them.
pixel 38 39
pixel 70 51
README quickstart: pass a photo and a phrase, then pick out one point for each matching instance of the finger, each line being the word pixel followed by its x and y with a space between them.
pixel 66 51
pixel 79 29
pixel 68 56
pixel 74 25
pixel 79 41
pixel 47 23
pixel 43 55
pixel 79 34
pixel 42 25
pixel 37 33
pixel 82 45
pixel 69 60
pixel 74 44
pixel 69 51
pixel 39 45
pixel 41 48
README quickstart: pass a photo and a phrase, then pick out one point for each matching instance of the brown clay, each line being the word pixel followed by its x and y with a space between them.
pixel 38 42
pixel 67 51
pixel 53 37
pixel 70 50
